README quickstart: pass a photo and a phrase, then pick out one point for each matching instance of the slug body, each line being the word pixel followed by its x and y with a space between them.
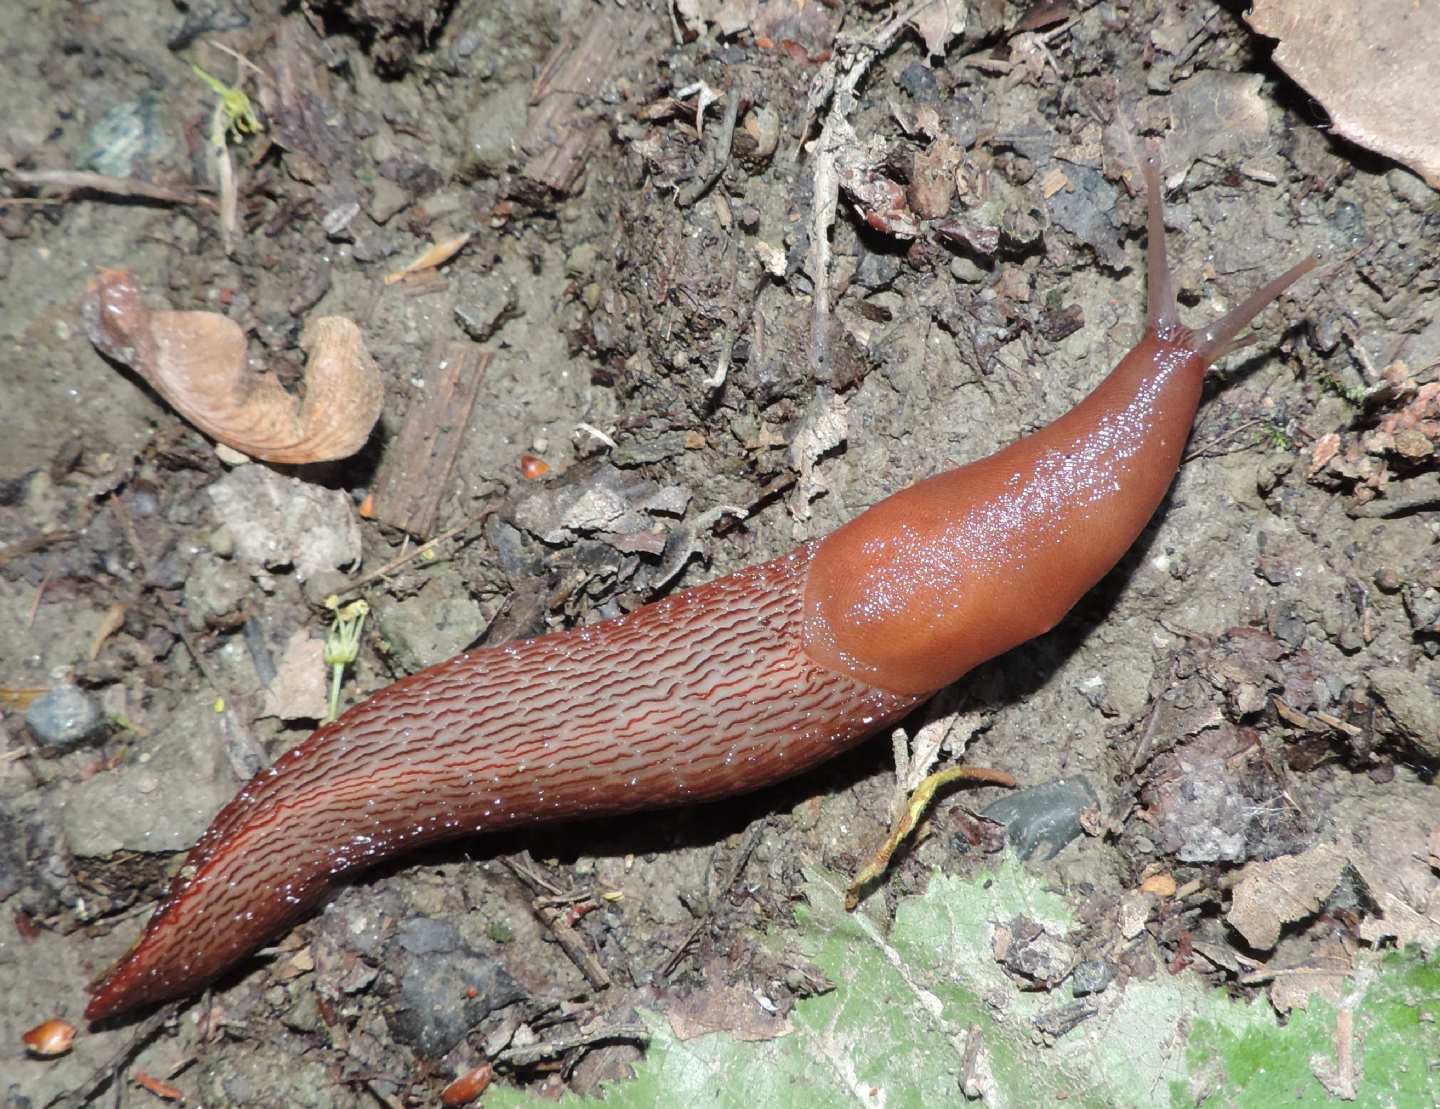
pixel 961 567
pixel 715 691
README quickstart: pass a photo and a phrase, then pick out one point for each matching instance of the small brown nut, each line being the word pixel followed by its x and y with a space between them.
pixel 51 1037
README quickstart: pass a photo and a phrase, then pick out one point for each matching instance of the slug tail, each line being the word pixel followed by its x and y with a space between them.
pixel 703 695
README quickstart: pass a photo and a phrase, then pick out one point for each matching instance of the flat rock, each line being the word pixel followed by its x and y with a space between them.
pixel 280 521
pixel 162 801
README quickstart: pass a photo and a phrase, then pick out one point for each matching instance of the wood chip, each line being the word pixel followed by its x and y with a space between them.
pixel 416 472
pixel 1054 182
pixel 564 121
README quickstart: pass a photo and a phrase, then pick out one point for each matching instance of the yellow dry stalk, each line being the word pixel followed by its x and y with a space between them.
pixel 342 644
pixel 235 107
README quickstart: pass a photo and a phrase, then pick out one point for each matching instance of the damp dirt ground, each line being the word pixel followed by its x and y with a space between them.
pixel 1255 680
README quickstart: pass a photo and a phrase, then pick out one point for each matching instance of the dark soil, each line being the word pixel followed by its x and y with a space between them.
pixel 1255 679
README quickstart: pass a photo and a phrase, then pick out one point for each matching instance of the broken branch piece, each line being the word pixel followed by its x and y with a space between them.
pixel 196 361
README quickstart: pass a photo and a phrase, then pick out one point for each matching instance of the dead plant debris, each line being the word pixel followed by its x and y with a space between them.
pixel 1374 66
pixel 197 362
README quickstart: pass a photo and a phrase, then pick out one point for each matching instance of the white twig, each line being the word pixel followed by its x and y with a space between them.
pixel 596 433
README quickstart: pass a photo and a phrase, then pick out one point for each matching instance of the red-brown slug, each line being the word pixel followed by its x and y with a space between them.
pixel 714 691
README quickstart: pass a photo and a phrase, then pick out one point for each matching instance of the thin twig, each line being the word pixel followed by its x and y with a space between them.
pixel 836 134
pixel 35 543
pixel 741 861
pixel 537 1053
pixel 1224 435
pixel 39 593
pixel 109 1071
pixel 430 544
pixel 73 180
pixel 722 368
pixel 720 155
pixel 552 911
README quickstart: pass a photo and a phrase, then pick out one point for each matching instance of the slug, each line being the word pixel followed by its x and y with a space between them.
pixel 714 691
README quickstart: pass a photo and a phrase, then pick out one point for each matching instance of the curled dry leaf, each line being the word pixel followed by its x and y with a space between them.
pixel 196 361
pixel 1281 891
pixel 938 22
pixel 51 1037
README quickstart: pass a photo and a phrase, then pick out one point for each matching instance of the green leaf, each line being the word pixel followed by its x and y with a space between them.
pixel 895 1030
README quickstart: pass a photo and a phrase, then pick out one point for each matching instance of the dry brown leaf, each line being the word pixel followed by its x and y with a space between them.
pixel 110 623
pixel 196 361
pixel 731 1009
pixel 932 178
pixel 1400 922
pixel 1408 915
pixel 730 17
pixel 1274 893
pixel 1323 975
pixel 1326 448
pixel 1373 64
pixel 302 962
pixel 939 22
pixel 1215 114
pixel 1390 858
pixel 432 259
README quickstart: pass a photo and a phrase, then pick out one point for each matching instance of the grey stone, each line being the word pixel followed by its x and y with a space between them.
pixel 1032 953
pixel 64 717
pixel 445 986
pixel 492 145
pixel 607 500
pixel 131 136
pixel 1412 704
pixel 215 591
pixel 161 802
pixel 438 622
pixel 1062 1019
pixel 1091 976
pixel 279 521
pixel 1045 816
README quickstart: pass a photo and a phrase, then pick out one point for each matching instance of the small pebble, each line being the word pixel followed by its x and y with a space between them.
pixel 444 986
pixel 1388 580
pixel 63 717
pixel 221 542
pixel 1091 976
